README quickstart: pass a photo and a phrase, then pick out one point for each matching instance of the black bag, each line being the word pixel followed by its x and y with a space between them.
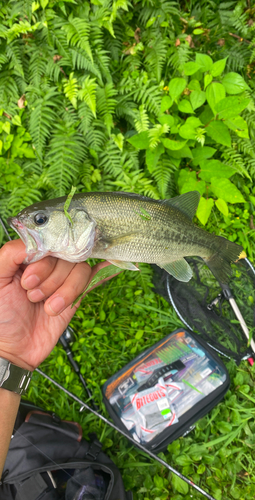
pixel 49 460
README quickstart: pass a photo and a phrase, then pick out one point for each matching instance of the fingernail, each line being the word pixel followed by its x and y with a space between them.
pixel 31 281
pixel 36 295
pixel 57 304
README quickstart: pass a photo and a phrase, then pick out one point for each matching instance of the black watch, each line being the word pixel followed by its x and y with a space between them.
pixel 13 378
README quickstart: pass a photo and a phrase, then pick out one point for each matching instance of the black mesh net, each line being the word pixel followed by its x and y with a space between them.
pixel 201 305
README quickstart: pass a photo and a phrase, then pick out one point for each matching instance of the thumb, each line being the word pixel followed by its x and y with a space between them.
pixel 12 254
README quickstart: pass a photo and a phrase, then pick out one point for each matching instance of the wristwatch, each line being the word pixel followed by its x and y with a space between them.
pixel 13 378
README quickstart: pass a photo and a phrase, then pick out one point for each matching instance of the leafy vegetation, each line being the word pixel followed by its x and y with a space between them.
pixel 154 97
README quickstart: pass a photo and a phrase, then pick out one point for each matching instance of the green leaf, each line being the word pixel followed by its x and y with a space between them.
pixel 230 107
pixel 204 61
pixel 17 121
pixel 179 485
pixel 225 189
pixel 215 92
pixel 185 107
pixel 224 427
pixel 152 157
pixel 218 131
pixel 234 83
pixel 204 209
pixel 218 67
pixel 150 22
pixel 193 184
pixel 207 80
pixel 188 130
pixel 99 331
pixel 166 119
pixel 198 31
pixel 190 68
pixel 194 85
pixel 174 145
pixel 166 103
pixel 239 125
pixel 222 206
pixel 184 152
pixel 197 98
pixel 176 87
pixel 214 168
pixel 139 334
pixel 202 153
pixel 140 141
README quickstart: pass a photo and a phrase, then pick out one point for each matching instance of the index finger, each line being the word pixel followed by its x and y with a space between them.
pixel 12 255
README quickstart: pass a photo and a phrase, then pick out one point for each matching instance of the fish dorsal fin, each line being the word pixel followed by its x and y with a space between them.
pixel 187 203
pixel 179 269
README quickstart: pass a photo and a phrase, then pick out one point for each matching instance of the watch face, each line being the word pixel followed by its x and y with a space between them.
pixel 4 371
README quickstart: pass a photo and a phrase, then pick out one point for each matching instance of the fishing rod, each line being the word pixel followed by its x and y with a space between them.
pixel 228 295
pixel 120 431
pixel 84 405
pixel 65 340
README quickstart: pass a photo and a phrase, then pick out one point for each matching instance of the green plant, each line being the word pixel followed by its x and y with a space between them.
pixel 142 96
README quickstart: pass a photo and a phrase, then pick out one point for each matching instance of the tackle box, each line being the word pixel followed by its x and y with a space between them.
pixel 159 395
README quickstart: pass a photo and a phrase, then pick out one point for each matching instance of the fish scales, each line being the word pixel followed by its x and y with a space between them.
pixel 119 215
pixel 124 228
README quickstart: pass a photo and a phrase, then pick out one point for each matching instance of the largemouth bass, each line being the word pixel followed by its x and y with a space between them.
pixel 123 228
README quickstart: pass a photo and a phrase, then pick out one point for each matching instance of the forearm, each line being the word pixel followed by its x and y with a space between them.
pixel 9 405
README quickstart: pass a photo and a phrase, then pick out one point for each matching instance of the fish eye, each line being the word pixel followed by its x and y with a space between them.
pixel 40 219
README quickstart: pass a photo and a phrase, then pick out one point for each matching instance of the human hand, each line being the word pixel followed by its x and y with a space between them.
pixel 35 302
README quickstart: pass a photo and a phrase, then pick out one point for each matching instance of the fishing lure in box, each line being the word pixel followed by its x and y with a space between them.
pixel 159 395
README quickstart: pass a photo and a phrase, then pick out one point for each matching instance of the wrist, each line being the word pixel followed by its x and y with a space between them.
pixel 15 360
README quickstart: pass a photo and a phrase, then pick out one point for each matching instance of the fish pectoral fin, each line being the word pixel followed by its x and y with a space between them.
pixel 124 265
pixel 118 240
pixel 179 269
pixel 187 203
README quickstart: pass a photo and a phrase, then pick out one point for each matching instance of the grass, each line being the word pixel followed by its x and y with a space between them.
pixel 115 323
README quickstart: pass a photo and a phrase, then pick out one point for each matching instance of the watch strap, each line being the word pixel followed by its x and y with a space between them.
pixel 13 378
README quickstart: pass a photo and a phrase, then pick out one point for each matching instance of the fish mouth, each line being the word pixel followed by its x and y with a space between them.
pixel 30 239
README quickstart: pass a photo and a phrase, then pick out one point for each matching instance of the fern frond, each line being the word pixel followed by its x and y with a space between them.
pixel 42 118
pixel 142 123
pixel 88 93
pixel 9 92
pixel 178 56
pixel 71 89
pixel 13 52
pixel 130 160
pixel 66 153
pixel 106 104
pixel 162 11
pixel 136 182
pixel 126 109
pixel 37 67
pixel 155 56
pixel 163 174
pixel 156 132
pixel 77 33
pixel 110 159
pixel 86 117
pixel 149 95
pixel 235 160
pixel 80 61
pixel 95 139
pixel 23 196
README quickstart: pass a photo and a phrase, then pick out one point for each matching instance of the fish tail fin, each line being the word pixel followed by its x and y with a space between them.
pixel 219 262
